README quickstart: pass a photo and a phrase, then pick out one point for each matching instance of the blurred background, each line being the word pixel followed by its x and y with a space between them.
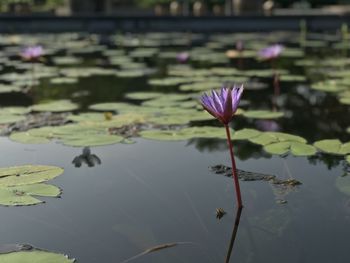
pixel 174 7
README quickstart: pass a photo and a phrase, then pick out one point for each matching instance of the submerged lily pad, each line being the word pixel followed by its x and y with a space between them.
pixel 56 106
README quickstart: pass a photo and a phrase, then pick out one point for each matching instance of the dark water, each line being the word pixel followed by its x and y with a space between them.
pixel 152 193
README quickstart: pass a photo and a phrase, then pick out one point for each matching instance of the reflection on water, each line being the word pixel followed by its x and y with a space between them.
pixel 87 158
pixel 234 234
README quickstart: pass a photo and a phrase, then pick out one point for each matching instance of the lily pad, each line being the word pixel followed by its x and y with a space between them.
pixel 23 195
pixel 27 174
pixel 245 134
pixel 185 133
pixel 333 146
pixel 14 110
pixel 27 138
pixel 34 256
pixel 56 106
pixel 263 114
pixel 143 95
pixel 10 118
pixel 296 148
pixel 82 140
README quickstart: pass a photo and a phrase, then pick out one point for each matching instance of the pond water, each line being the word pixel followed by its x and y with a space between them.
pixel 156 189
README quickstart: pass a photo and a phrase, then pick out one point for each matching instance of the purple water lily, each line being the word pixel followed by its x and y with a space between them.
pixel 223 105
pixel 182 57
pixel 32 53
pixel 271 52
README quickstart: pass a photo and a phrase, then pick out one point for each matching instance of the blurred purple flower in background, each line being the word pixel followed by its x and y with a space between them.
pixel 223 105
pixel 182 57
pixel 239 46
pixel 268 125
pixel 271 52
pixel 32 53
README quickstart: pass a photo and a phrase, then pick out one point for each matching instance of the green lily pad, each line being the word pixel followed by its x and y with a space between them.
pixel 277 148
pixel 347 159
pixel 34 256
pixel 27 174
pixel 10 118
pixel 301 149
pixel 245 134
pixel 23 195
pixel 113 106
pixel 82 140
pixel 56 106
pixel 14 110
pixel 263 114
pixel 27 138
pixel 63 80
pixel 329 86
pixel 267 138
pixel 185 133
pixel 333 147
pixel 7 88
pixel 143 95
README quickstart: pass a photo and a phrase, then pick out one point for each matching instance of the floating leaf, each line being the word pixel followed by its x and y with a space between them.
pixel 113 106
pixel 23 195
pixel 277 148
pixel 14 110
pixel 262 114
pixel 10 118
pixel 27 138
pixel 185 133
pixel 333 147
pixel 82 140
pixel 64 80
pixel 27 174
pixel 245 134
pixel 143 95
pixel 56 106
pixel 301 149
pixel 34 256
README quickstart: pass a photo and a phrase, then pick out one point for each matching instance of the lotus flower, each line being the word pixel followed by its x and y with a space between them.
pixel 223 105
pixel 32 53
pixel 182 57
pixel 271 52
